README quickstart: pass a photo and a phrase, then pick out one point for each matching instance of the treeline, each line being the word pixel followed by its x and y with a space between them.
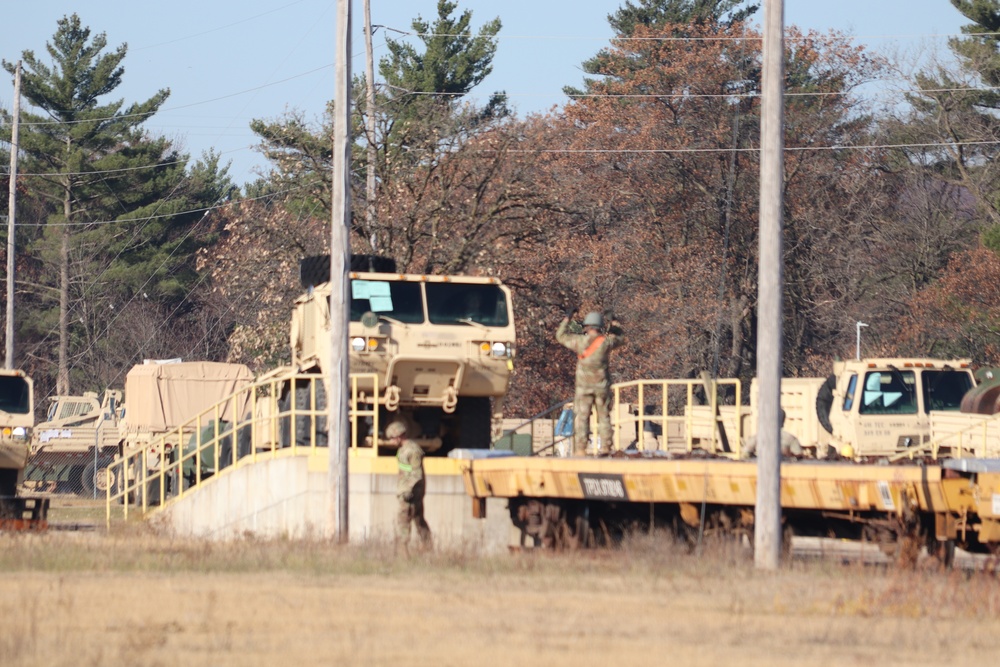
pixel 639 196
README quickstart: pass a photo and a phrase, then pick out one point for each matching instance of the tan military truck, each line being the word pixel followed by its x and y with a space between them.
pixel 870 408
pixel 166 404
pixel 866 409
pixel 436 351
pixel 72 448
pixel 17 419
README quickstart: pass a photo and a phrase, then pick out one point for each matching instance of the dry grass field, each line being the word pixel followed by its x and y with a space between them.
pixel 133 598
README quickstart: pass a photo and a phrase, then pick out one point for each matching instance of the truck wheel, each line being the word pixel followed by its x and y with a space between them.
pixel 301 394
pixel 284 421
pixel 8 490
pixel 74 481
pixel 474 422
pixel 824 403
pixel 98 478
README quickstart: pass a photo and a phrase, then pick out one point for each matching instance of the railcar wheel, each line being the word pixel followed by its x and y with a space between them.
pixel 942 550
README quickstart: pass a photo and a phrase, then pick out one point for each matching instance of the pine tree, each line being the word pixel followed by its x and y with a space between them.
pixel 116 197
pixel 656 13
pixel 420 115
pixel 952 124
pixel 452 63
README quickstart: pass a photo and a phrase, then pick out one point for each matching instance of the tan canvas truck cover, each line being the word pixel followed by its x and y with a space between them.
pixel 160 397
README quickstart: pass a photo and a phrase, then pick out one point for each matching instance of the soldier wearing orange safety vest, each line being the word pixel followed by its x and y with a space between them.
pixel 593 382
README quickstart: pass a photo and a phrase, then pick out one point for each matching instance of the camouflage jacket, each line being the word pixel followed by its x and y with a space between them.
pixel 410 459
pixel 591 364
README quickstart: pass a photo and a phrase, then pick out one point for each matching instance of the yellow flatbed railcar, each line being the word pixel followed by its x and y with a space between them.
pixel 572 502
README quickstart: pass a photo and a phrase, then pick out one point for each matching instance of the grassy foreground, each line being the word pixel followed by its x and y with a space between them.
pixel 135 598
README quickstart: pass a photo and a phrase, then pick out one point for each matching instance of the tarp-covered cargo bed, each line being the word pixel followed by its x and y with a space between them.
pixel 159 397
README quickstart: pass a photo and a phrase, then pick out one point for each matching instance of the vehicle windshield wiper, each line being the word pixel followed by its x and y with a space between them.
pixel 470 321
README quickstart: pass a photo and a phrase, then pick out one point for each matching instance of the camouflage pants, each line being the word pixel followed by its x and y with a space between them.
pixel 412 512
pixel 583 403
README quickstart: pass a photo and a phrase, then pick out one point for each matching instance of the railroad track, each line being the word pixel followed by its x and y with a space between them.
pixel 852 551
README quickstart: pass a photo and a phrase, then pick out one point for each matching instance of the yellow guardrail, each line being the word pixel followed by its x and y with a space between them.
pixel 175 463
pixel 712 422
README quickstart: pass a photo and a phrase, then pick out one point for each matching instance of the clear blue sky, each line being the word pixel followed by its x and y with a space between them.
pixel 228 62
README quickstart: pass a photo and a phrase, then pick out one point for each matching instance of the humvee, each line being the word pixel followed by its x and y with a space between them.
pixel 72 448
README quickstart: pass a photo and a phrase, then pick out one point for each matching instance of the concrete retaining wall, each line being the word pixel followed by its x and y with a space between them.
pixel 288 497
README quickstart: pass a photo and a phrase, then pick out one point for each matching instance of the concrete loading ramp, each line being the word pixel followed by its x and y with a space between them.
pixel 288 496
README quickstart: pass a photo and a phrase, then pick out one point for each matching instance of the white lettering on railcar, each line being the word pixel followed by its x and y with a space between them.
pixel 608 487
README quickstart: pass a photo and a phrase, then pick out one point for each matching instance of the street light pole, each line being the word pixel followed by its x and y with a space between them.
pixel 857 353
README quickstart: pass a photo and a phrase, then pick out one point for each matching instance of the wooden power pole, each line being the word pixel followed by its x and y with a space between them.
pixel 340 263
pixel 370 107
pixel 12 216
pixel 767 517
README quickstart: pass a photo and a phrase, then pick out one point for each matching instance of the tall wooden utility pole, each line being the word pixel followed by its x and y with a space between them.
pixel 767 517
pixel 12 216
pixel 340 263
pixel 370 104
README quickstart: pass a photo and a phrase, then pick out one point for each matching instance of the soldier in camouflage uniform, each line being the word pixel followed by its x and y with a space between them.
pixel 593 382
pixel 409 487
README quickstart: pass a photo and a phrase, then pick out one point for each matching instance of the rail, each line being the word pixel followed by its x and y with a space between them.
pixel 280 414
pixel 972 440
pixel 648 415
pixel 685 419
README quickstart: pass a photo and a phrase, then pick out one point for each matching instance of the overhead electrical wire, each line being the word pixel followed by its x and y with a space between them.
pixel 731 150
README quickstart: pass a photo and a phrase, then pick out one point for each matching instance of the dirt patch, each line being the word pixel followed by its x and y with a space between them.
pixel 137 599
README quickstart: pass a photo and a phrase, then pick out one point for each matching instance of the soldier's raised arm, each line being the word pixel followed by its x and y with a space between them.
pixel 563 334
pixel 616 335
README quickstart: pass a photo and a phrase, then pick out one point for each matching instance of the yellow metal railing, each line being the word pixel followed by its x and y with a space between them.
pixel 954 442
pixel 713 422
pixel 220 439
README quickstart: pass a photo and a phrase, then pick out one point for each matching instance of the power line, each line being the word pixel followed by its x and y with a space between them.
pixel 245 91
pixel 715 38
pixel 147 218
pixel 799 149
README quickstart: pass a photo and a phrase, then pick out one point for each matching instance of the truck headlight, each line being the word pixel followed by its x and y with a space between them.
pixel 20 433
pixel 358 344
pixel 499 350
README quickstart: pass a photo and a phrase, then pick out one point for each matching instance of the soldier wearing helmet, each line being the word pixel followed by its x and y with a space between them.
pixel 593 381
pixel 409 486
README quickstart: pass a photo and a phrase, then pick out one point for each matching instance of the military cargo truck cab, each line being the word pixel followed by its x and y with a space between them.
pixel 17 419
pixel 876 407
pixel 436 351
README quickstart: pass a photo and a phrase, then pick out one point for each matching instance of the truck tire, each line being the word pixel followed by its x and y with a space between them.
pixel 303 422
pixel 97 478
pixel 8 491
pixel 74 481
pixel 824 403
pixel 474 422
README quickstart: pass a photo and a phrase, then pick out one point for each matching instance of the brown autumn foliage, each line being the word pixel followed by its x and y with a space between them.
pixel 642 201
pixel 253 273
pixel 660 183
pixel 470 207
pixel 960 314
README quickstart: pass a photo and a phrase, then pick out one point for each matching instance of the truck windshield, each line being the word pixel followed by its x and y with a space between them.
pixel 14 395
pixel 943 390
pixel 889 393
pixel 457 303
pixel 399 300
